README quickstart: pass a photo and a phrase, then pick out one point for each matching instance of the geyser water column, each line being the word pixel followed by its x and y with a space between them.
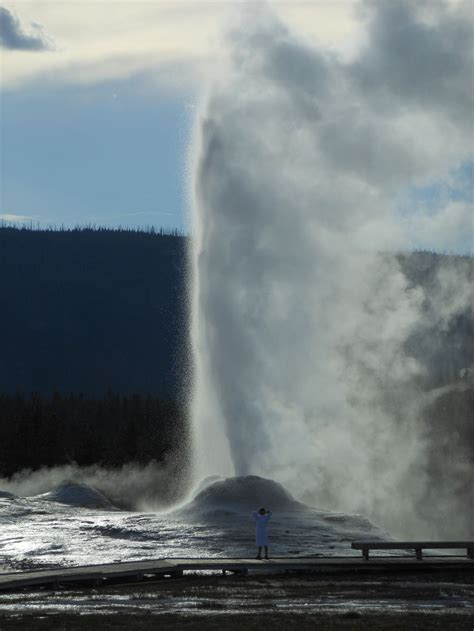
pixel 299 325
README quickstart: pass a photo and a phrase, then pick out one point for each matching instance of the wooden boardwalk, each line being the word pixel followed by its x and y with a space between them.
pixel 131 571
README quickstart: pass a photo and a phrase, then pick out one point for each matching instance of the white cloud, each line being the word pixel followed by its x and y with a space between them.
pixel 16 218
pixel 108 40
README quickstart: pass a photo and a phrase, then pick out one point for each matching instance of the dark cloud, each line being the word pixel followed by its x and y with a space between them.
pixel 13 37
pixel 419 54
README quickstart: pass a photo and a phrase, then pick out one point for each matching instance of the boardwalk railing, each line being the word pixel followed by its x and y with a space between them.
pixel 417 546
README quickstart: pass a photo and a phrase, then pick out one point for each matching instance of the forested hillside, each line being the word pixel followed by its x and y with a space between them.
pixel 94 351
pixel 85 311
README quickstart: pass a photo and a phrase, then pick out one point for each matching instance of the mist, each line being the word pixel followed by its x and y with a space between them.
pixel 302 314
pixel 150 487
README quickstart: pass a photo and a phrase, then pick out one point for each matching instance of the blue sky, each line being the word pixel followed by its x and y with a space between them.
pixel 434 207
pixel 98 103
pixel 105 155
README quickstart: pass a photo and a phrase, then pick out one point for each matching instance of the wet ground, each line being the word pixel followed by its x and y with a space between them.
pixel 35 533
pixel 41 534
pixel 282 601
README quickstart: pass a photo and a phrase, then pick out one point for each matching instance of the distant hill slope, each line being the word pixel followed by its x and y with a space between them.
pixel 91 310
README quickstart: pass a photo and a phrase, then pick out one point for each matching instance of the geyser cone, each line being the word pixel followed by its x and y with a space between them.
pixel 244 494
pixel 76 495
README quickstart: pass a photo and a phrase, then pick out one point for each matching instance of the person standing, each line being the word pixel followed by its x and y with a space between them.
pixel 262 517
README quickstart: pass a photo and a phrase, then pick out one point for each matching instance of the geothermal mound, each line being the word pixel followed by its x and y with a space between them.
pixel 243 494
pixel 7 496
pixel 74 494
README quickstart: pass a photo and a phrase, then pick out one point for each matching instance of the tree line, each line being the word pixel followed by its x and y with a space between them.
pixel 38 431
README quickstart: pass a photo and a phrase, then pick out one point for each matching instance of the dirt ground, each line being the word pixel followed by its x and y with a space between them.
pixel 281 602
pixel 245 622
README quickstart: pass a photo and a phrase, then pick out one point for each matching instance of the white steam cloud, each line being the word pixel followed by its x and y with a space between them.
pixel 152 486
pixel 300 327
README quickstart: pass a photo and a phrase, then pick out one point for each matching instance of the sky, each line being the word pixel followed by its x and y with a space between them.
pixel 99 100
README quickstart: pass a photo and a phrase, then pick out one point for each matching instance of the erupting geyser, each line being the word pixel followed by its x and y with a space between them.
pixel 301 328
